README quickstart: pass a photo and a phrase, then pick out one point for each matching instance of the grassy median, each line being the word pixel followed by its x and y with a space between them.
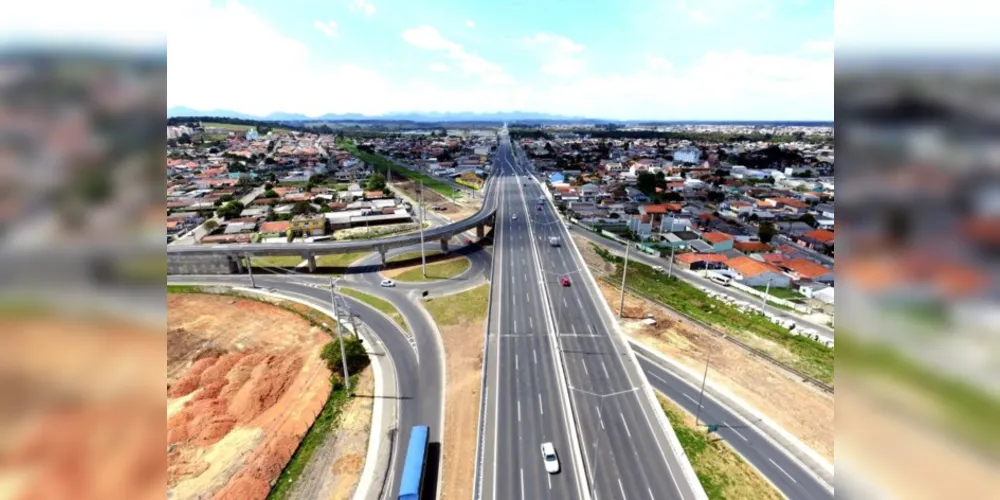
pixel 810 357
pixel 722 472
pixel 382 305
pixel 441 270
pixel 338 259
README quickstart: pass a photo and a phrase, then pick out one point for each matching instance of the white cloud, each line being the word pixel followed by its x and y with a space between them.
pixel 818 47
pixel 438 67
pixel 362 6
pixel 328 28
pixel 560 54
pixel 76 24
pixel 732 85
pixel 428 38
pixel 713 11
pixel 470 23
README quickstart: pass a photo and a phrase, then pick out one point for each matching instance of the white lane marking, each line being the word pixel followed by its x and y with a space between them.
pixel 599 417
pixel 657 377
pixel 590 328
pixel 736 431
pixel 522 483
pixel 514 298
pixel 519 411
pixel 622 488
pixel 540 407
pixel 625 424
pixel 534 354
pixel 605 369
pixel 692 399
pixel 651 497
pixel 783 470
pixel 585 370
pixel 528 295
pixel 564 302
pixel 531 324
pixel 550 480
pixel 525 276
pixel 515 326
pixel 515 362
pixel 579 303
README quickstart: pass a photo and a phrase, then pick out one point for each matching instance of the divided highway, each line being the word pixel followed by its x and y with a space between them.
pixel 625 451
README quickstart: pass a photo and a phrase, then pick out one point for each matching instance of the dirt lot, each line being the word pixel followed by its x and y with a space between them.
pixel 455 211
pixel 598 265
pixel 244 384
pixel 461 330
pixel 81 408
pixel 345 448
pixel 802 411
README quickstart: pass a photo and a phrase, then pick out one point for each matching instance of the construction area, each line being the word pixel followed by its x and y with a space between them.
pixel 245 382
pixel 802 410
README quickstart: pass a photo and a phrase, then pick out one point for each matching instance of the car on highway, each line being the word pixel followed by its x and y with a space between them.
pixel 514 217
pixel 388 283
pixel 539 208
pixel 564 281
pixel 550 458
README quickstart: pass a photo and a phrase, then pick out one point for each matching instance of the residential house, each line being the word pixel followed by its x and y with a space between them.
pixel 719 242
pixel 803 269
pixel 240 227
pixel 589 192
pixel 818 239
pixel 314 225
pixel 751 272
pixel 275 227
pixel 635 196
pixel 823 210
pixel 752 247
pixel 700 261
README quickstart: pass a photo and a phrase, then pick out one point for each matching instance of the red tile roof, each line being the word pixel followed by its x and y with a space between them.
pixel 275 227
pixel 806 268
pixel 690 258
pixel 752 246
pixel 716 237
pixel 749 267
pixel 821 235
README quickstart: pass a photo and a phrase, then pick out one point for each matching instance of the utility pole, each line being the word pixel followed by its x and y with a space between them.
pixel 340 335
pixel 250 271
pixel 763 301
pixel 670 267
pixel 704 377
pixel 621 302
pixel 423 256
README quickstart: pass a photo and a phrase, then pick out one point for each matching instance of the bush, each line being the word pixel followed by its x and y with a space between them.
pixel 357 357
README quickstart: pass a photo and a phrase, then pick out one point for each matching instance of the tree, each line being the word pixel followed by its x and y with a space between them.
pixel 317 179
pixel 766 232
pixel 376 182
pixel 614 215
pixel 716 196
pixel 230 210
pixel 270 193
pixel 211 224
pixel 646 183
pixel 184 139
pixel 354 350
pixel 809 219
pixel 671 196
pixel 303 207
pixel 269 161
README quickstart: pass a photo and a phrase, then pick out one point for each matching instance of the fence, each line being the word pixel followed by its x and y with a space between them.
pixel 771 299
pixel 615 237
pixel 753 351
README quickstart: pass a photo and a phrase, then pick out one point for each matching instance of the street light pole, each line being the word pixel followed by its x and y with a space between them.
pixel 340 335
pixel 621 301
pixel 767 292
pixel 704 377
pixel 670 267
pixel 423 256
pixel 250 270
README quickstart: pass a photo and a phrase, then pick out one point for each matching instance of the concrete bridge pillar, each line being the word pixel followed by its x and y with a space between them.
pixel 239 263
pixel 444 245
pixel 480 231
pixel 311 258
pixel 382 251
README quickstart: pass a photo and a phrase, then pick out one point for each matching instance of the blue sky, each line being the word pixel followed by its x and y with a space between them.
pixel 626 59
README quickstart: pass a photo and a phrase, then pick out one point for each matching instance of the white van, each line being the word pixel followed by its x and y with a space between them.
pixel 720 279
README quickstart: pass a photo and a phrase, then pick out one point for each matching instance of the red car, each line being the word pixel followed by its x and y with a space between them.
pixel 564 281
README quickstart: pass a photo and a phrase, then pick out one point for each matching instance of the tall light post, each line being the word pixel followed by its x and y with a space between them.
pixel 423 256
pixel 340 334
pixel 250 271
pixel 701 393
pixel 621 301
pixel 767 292
pixel 670 267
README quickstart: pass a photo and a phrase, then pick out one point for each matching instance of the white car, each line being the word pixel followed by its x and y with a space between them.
pixel 514 217
pixel 550 458
pixel 388 283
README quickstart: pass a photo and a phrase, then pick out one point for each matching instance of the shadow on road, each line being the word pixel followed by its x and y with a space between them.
pixel 432 471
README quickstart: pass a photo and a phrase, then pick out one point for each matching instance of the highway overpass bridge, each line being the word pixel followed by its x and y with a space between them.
pixel 229 258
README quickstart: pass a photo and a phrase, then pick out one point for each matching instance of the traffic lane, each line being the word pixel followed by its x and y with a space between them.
pixel 787 475
pixel 696 280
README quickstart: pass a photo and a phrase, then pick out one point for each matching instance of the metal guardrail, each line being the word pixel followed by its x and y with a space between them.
pixel 752 350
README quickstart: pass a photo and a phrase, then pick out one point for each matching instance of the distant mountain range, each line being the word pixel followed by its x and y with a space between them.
pixel 463 117
pixel 181 111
